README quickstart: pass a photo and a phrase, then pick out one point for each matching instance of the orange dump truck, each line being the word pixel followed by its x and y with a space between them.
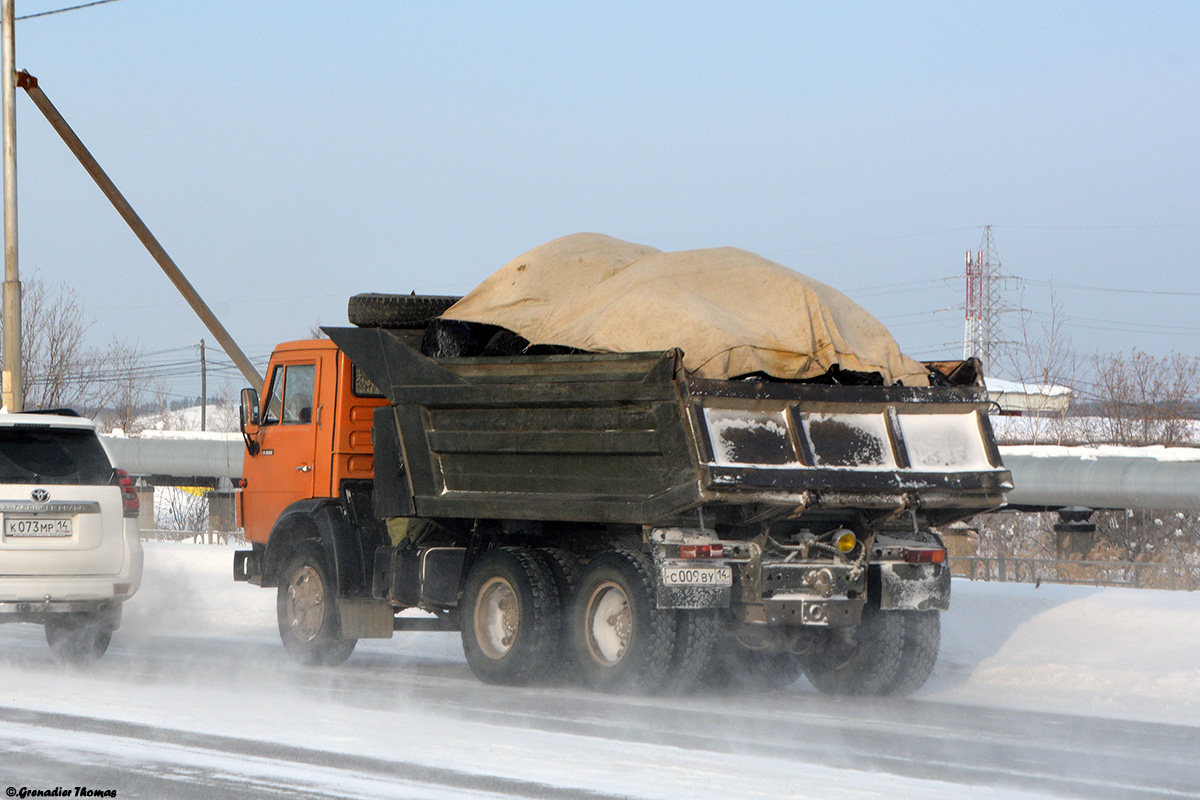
pixel 614 518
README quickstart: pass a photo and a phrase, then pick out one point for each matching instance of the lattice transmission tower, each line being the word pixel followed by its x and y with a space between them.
pixel 983 333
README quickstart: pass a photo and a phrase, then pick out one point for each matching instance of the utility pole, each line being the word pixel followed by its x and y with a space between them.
pixel 30 84
pixel 203 390
pixel 12 388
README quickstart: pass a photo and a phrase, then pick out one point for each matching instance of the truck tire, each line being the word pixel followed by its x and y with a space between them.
pixel 922 637
pixel 861 660
pixel 396 310
pixel 511 616
pixel 307 614
pixel 78 638
pixel 621 639
pixel 695 639
pixel 565 569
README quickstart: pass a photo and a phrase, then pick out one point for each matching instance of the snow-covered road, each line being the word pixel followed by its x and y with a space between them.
pixel 1040 692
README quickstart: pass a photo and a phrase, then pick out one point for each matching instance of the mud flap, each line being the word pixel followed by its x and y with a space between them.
pixel 692 596
pixel 913 587
pixel 364 618
pixel 246 567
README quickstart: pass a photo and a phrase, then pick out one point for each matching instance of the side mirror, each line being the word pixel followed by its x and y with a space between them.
pixel 249 419
pixel 249 410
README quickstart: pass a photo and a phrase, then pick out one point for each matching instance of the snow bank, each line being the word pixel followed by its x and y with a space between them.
pixel 1154 452
pixel 1112 652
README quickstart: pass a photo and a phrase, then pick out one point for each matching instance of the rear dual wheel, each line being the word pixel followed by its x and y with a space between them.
pixel 530 615
pixel 888 653
pixel 922 638
pixel 621 639
pixel 695 643
pixel 511 616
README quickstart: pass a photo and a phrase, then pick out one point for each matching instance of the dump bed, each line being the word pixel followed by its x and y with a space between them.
pixel 633 438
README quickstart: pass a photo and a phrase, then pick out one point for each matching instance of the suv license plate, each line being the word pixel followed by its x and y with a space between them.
pixel 25 527
pixel 697 576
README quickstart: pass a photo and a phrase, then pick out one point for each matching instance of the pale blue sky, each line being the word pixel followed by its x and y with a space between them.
pixel 289 154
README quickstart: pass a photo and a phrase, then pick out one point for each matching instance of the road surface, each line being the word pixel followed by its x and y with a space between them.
pixel 199 717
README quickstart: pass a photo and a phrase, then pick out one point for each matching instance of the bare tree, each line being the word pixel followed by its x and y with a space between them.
pixel 1044 361
pixel 181 509
pixel 126 391
pixel 61 370
pixel 1145 400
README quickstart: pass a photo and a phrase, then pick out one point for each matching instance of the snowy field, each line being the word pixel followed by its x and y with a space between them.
pixel 198 661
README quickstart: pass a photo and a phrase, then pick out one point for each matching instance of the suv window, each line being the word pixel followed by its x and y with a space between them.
pixel 44 454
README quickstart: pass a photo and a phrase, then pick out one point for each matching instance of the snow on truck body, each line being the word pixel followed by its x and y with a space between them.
pixel 617 512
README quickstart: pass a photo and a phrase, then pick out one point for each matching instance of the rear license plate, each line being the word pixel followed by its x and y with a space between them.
pixel 697 576
pixel 24 527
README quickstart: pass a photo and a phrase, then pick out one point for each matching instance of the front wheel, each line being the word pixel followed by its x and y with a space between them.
pixel 77 638
pixel 307 610
pixel 622 640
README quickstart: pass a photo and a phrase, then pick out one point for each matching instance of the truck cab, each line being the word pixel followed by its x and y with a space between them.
pixel 307 435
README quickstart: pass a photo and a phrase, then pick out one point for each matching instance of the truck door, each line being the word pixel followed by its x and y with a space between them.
pixel 282 471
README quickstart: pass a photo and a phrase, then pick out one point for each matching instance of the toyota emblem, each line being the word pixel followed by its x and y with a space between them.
pixel 40 495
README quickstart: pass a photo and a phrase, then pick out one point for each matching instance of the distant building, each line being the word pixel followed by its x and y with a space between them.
pixel 1026 399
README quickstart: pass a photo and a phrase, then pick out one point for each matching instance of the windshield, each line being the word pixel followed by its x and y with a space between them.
pixel 43 454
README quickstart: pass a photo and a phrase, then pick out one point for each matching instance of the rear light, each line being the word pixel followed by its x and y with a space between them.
pixel 701 551
pixel 128 493
pixel 925 556
pixel 120 589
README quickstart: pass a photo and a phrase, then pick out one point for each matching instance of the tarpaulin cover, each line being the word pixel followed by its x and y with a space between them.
pixel 731 312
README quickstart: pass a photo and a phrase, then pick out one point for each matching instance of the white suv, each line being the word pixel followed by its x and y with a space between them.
pixel 70 550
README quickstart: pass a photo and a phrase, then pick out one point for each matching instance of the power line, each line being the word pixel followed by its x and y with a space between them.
pixel 871 241
pixel 64 10
pixel 1112 289
pixel 901 288
pixel 1161 226
pixel 1071 320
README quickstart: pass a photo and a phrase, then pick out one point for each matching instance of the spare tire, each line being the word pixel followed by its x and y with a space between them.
pixel 396 310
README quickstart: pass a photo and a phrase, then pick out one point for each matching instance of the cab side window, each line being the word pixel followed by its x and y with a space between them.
pixel 298 385
pixel 290 397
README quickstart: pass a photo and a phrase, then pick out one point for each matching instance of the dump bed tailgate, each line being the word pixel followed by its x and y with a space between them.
pixel 866 446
